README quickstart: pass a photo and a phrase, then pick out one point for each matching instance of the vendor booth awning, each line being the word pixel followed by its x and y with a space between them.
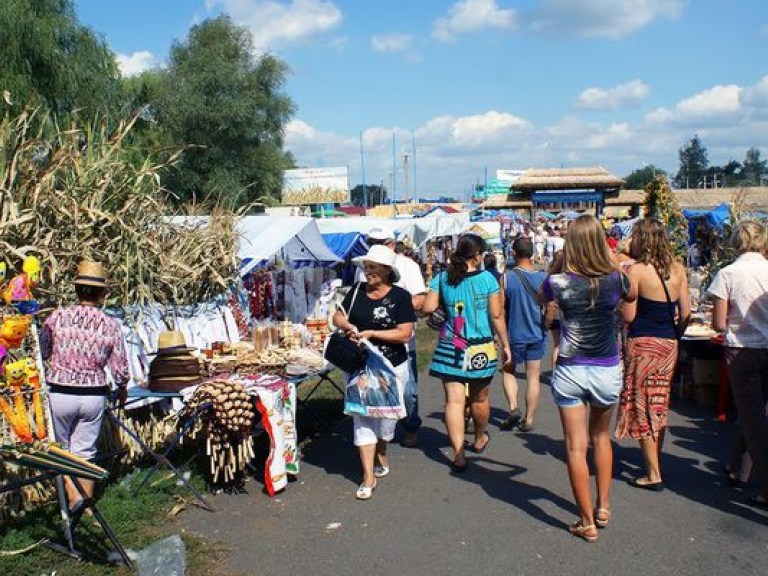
pixel 418 230
pixel 346 244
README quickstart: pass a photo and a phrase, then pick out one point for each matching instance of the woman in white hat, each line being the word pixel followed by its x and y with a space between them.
pixel 383 314
pixel 79 342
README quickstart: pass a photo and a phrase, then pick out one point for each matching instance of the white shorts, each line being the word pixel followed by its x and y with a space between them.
pixel 368 430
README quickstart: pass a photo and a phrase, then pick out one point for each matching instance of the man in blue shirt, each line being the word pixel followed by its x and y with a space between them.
pixel 527 333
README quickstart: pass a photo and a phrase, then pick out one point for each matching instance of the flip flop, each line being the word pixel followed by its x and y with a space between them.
pixel 476 450
pixel 653 486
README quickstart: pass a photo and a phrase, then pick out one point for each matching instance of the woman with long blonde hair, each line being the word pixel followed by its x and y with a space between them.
pixel 659 315
pixel 587 377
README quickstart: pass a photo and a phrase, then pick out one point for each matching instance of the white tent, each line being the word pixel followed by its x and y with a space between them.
pixel 418 230
pixel 297 237
pixel 262 237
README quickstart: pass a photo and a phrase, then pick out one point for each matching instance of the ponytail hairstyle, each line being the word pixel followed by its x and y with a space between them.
pixel 468 247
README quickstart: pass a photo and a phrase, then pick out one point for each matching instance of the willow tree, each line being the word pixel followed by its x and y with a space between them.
pixel 49 59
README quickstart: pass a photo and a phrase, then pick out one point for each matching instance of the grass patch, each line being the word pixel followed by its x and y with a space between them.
pixel 137 520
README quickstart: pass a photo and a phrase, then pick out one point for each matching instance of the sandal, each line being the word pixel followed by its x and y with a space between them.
pixel 379 471
pixel 587 533
pixel 365 492
pixel 602 517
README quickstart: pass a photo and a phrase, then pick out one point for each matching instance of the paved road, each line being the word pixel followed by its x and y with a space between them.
pixel 507 515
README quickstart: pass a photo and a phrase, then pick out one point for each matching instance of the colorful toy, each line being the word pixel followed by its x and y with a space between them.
pixel 13 330
pixel 31 267
pixel 33 379
pixel 16 377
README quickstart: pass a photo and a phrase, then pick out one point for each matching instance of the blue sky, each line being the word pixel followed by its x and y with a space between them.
pixel 483 85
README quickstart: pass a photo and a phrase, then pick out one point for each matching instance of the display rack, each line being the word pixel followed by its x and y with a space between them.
pixel 41 429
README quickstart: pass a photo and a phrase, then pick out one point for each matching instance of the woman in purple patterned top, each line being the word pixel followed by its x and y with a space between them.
pixel 587 377
pixel 79 342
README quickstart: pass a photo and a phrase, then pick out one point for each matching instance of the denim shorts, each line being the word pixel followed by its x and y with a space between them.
pixel 529 351
pixel 573 385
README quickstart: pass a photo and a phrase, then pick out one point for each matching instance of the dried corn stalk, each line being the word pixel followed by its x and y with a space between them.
pixel 80 191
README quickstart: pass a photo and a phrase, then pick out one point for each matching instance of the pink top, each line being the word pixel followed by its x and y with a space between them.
pixel 80 341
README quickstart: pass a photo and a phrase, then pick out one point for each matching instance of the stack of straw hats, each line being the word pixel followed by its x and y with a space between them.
pixel 174 367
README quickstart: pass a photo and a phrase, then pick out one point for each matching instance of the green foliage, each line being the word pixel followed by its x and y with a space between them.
pixel 693 164
pixel 230 108
pixel 641 177
pixel 49 59
pixel 753 168
pixel 376 195
pixel 660 202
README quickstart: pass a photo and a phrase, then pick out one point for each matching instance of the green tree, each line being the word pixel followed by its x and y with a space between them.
pixel 50 59
pixel 693 164
pixel 231 109
pixel 376 195
pixel 639 178
pixel 753 168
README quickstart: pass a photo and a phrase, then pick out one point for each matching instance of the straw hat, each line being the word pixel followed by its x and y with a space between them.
pixel 380 255
pixel 171 342
pixel 90 273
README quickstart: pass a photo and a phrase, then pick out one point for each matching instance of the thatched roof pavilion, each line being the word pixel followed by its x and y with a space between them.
pixel 593 178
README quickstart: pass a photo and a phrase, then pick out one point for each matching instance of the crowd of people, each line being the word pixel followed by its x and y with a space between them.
pixel 615 309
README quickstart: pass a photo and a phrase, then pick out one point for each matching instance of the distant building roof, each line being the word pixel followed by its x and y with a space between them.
pixel 352 210
pixel 596 177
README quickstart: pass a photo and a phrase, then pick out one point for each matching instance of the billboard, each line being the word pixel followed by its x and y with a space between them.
pixel 509 175
pixel 315 186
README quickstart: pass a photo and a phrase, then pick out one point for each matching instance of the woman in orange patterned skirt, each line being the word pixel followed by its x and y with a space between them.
pixel 659 314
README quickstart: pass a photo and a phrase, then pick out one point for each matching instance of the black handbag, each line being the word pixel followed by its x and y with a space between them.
pixel 341 351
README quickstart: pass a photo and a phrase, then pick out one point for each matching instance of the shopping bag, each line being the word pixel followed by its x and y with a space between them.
pixel 375 391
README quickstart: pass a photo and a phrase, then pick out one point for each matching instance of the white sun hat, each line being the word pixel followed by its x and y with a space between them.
pixel 379 254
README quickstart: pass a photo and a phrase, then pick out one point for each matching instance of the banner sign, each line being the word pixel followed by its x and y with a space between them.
pixel 565 197
pixel 305 186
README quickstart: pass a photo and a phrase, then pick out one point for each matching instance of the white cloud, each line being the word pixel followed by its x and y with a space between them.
pixel 473 132
pixel 468 16
pixel 716 101
pixel 136 63
pixel 274 24
pixel 613 98
pixel 391 43
pixel 602 18
pixel 715 106
pixel 452 152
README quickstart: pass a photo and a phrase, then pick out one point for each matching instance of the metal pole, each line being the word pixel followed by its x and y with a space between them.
pixel 362 171
pixel 394 170
pixel 415 192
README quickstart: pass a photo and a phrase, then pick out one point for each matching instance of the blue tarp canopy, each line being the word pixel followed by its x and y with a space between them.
pixel 717 216
pixel 346 244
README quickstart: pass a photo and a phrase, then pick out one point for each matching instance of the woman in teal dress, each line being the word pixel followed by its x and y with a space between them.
pixel 465 356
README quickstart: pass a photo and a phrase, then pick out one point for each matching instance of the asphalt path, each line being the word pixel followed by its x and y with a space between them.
pixel 507 515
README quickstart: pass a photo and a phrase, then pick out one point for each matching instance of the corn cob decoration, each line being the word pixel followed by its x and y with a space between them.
pixel 226 426
pixel 33 380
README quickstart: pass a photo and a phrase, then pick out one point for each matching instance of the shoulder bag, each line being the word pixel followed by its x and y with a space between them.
pixel 340 350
